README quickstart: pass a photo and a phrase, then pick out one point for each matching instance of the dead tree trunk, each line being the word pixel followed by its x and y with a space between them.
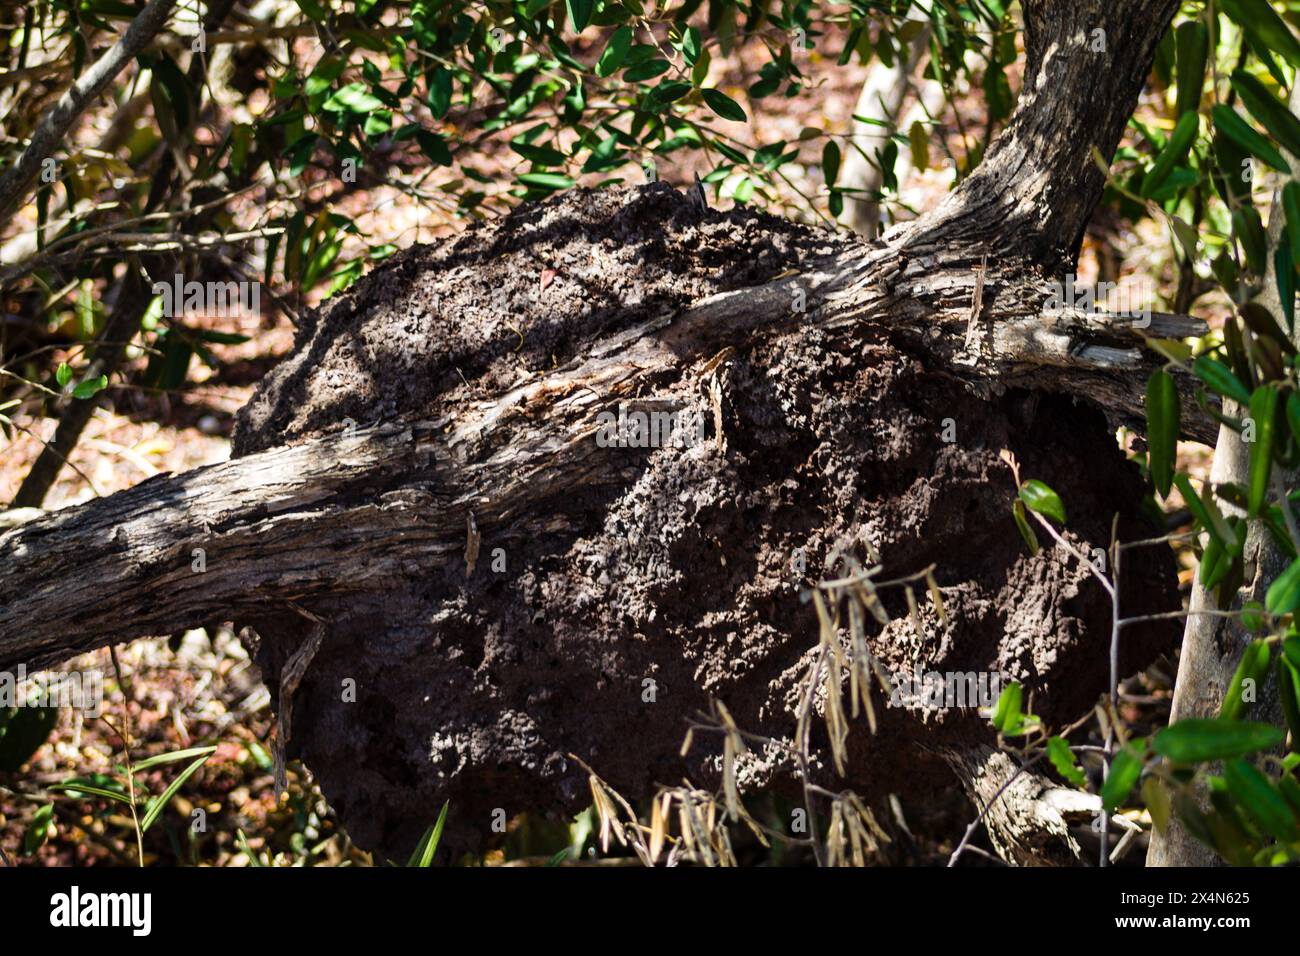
pixel 426 478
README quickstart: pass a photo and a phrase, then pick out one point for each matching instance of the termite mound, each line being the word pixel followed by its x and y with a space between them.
pixel 677 576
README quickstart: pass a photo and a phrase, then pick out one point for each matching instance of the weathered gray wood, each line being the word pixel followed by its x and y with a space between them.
pixel 340 512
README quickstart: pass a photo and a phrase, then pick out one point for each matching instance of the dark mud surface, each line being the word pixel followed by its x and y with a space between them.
pixel 680 579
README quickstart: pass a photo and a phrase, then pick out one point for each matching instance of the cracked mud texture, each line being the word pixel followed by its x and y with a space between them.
pixel 476 691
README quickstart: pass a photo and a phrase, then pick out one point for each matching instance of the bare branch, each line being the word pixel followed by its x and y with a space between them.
pixel 18 178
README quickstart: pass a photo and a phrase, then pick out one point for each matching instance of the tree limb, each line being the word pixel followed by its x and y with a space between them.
pixel 18 178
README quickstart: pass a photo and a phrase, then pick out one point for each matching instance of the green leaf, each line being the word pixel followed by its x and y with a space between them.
pixel 1288 687
pixel 1291 207
pixel 320 261
pixel 1284 593
pixel 724 105
pixel 1058 751
pixel 353 98
pixel 313 10
pixel 1264 26
pixel 1207 512
pixel 1007 713
pixel 1270 112
pixel 1193 817
pixel 323 76
pixel 1263 410
pixel 423 854
pixel 1124 772
pixel 997 90
pixel 1219 378
pixel 440 90
pixel 666 93
pixel 545 180
pixel 158 804
pixel 1215 562
pixel 241 841
pixel 1193 48
pixel 1285 285
pixel 1231 177
pixel 918 141
pixel 1175 151
pixel 1022 523
pixel 1252 667
pixel 1162 429
pixel 692 45
pixel 1260 320
pixel 1248 228
pixel 615 52
pixel 434 146
pixel 1195 740
pixel 1291 650
pixel 80 789
pixel 1290 788
pixel 173 99
pixel 540 155
pixel 1156 798
pixel 1256 793
pixel 830 162
pixel 91 386
pixel 580 12
pixel 63 374
pixel 1253 618
pixel 220 338
pixel 1231 125
pixel 700 72
pixel 378 123
pixel 85 308
pixel 648 70
pixel 22 732
pixel 1039 497
pixel 174 757
pixel 38 829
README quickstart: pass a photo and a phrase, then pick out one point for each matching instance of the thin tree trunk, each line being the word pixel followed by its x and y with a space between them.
pixel 884 93
pixel 1212 646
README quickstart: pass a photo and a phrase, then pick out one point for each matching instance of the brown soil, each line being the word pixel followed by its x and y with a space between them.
pixel 477 692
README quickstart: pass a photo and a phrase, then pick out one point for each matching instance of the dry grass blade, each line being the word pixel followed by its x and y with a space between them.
pixel 837 727
pixel 936 597
pixel 912 612
pixel 731 746
pixel 859 671
pixel 658 824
